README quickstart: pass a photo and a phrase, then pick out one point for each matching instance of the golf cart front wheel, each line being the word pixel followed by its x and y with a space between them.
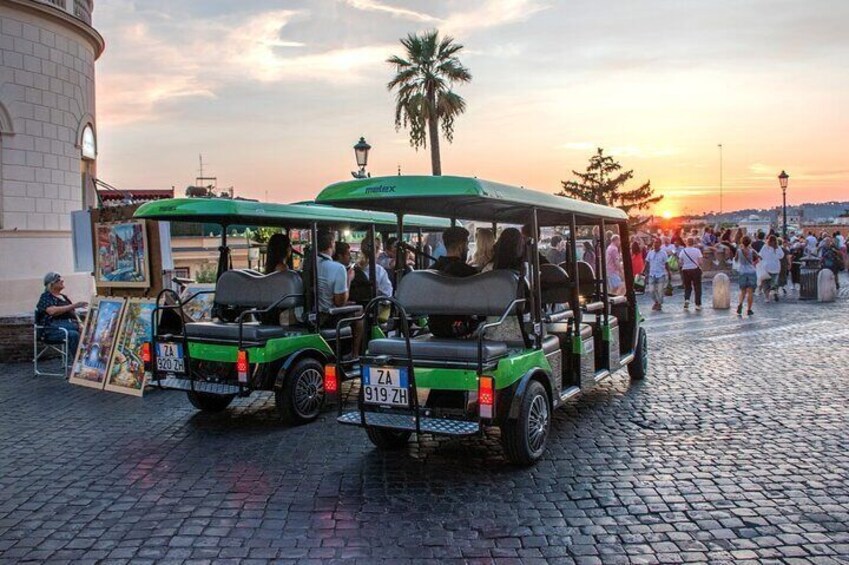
pixel 388 440
pixel 638 368
pixel 209 402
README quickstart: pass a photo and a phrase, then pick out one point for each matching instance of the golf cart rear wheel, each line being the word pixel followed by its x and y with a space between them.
pixel 209 402
pixel 524 439
pixel 301 397
pixel 638 368
pixel 388 440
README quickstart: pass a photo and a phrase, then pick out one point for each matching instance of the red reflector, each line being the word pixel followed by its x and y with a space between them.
pixel 145 352
pixel 331 384
pixel 242 366
pixel 486 396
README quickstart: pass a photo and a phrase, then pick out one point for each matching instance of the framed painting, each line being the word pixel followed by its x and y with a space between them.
pixel 97 343
pixel 200 308
pixel 126 368
pixel 122 257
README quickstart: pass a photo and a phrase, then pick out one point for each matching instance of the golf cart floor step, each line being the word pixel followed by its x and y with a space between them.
pixel 407 422
pixel 199 386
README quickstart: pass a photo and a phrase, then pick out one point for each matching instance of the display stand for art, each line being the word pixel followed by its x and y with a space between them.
pixel 97 342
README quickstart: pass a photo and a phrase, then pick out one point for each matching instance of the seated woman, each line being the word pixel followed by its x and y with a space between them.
pixel 55 311
pixel 360 286
pixel 509 253
pixel 484 249
pixel 278 259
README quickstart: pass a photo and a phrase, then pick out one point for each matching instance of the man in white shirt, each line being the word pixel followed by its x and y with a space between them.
pixel 332 286
pixel 771 255
pixel 690 260
pixel 811 244
pixel 657 269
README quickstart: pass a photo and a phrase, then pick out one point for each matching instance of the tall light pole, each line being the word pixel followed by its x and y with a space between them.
pixel 361 150
pixel 720 177
pixel 782 180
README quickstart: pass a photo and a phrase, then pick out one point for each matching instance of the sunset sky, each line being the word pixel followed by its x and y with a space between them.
pixel 275 93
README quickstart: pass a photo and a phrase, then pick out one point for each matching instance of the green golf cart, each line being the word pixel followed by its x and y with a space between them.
pixel 569 332
pixel 249 346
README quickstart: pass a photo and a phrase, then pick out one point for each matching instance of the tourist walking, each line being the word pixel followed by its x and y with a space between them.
pixel 745 260
pixel 657 273
pixel 690 260
pixel 772 256
pixel 613 262
pixel 831 258
pixel 638 265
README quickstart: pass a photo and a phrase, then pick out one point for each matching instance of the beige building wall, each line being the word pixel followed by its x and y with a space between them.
pixel 47 99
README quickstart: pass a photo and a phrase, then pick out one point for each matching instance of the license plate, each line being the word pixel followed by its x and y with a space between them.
pixel 386 386
pixel 169 358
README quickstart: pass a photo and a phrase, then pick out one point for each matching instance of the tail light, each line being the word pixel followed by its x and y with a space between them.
pixel 242 366
pixel 486 396
pixel 145 355
pixel 331 383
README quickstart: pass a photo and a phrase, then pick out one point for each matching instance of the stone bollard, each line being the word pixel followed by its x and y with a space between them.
pixel 721 292
pixel 826 286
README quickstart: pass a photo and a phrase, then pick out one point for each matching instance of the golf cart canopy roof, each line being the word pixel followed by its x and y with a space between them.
pixel 463 198
pixel 227 212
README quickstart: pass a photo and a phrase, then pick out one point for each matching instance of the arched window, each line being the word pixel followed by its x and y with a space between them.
pixel 89 145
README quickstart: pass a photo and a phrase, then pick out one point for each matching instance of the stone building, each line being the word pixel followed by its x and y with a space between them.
pixel 48 143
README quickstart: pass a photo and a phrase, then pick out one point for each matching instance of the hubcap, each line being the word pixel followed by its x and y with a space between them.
pixel 309 391
pixel 538 423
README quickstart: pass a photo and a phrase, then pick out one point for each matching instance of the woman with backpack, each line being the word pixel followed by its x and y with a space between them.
pixel 832 259
pixel 745 261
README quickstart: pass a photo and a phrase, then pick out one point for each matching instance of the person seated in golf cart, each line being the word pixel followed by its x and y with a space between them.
pixel 333 287
pixel 278 259
pixel 509 254
pixel 453 264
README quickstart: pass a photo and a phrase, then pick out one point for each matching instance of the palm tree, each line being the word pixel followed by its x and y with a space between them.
pixel 424 97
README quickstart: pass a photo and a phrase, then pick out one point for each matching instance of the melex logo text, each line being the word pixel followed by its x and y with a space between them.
pixel 380 189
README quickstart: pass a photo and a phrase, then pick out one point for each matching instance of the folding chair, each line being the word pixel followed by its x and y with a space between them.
pixel 42 347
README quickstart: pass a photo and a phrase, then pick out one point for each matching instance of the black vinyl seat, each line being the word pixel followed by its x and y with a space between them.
pixel 238 291
pixel 430 348
pixel 251 331
pixel 329 334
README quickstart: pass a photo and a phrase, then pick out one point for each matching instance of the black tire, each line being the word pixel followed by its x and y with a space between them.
pixel 524 439
pixel 209 402
pixel 638 368
pixel 301 397
pixel 388 440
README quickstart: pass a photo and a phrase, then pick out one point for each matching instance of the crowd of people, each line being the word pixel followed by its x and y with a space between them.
pixel 767 264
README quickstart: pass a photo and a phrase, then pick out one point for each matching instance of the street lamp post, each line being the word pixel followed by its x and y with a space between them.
pixel 361 150
pixel 782 179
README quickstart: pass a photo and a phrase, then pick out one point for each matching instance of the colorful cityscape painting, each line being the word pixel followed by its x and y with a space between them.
pixel 126 370
pixel 98 342
pixel 122 255
pixel 199 308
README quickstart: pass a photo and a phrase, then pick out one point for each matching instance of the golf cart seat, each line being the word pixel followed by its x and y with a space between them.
pixel 240 291
pixel 555 283
pixel 425 293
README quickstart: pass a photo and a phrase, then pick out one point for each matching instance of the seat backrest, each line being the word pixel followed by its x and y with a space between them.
pixel 555 283
pixel 432 292
pixel 241 290
pixel 586 279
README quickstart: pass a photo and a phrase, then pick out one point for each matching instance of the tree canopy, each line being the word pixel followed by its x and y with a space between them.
pixel 423 83
pixel 604 183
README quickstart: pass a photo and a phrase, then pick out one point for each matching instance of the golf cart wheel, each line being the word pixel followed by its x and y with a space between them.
pixel 301 397
pixel 209 402
pixel 524 439
pixel 638 368
pixel 389 440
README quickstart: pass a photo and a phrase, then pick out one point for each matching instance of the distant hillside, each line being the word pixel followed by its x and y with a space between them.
pixel 812 211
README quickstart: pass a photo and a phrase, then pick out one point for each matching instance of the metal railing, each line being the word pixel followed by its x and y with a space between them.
pixel 80 9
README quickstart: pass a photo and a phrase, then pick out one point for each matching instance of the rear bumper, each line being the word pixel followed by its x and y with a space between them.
pixel 439 426
pixel 176 383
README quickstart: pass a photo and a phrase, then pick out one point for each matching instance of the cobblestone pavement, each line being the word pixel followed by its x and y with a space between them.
pixel 734 449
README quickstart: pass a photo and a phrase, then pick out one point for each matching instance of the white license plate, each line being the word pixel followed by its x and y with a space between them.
pixel 169 358
pixel 386 386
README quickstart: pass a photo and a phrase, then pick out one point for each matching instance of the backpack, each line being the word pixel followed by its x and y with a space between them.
pixel 360 291
pixel 832 260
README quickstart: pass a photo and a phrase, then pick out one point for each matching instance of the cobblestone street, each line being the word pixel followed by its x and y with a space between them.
pixel 733 449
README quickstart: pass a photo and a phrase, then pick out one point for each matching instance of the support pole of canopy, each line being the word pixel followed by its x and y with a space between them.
pixel 536 292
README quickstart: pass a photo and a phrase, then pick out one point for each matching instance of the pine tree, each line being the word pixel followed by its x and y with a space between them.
pixel 604 183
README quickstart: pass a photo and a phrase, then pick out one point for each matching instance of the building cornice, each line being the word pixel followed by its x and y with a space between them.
pixel 57 15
